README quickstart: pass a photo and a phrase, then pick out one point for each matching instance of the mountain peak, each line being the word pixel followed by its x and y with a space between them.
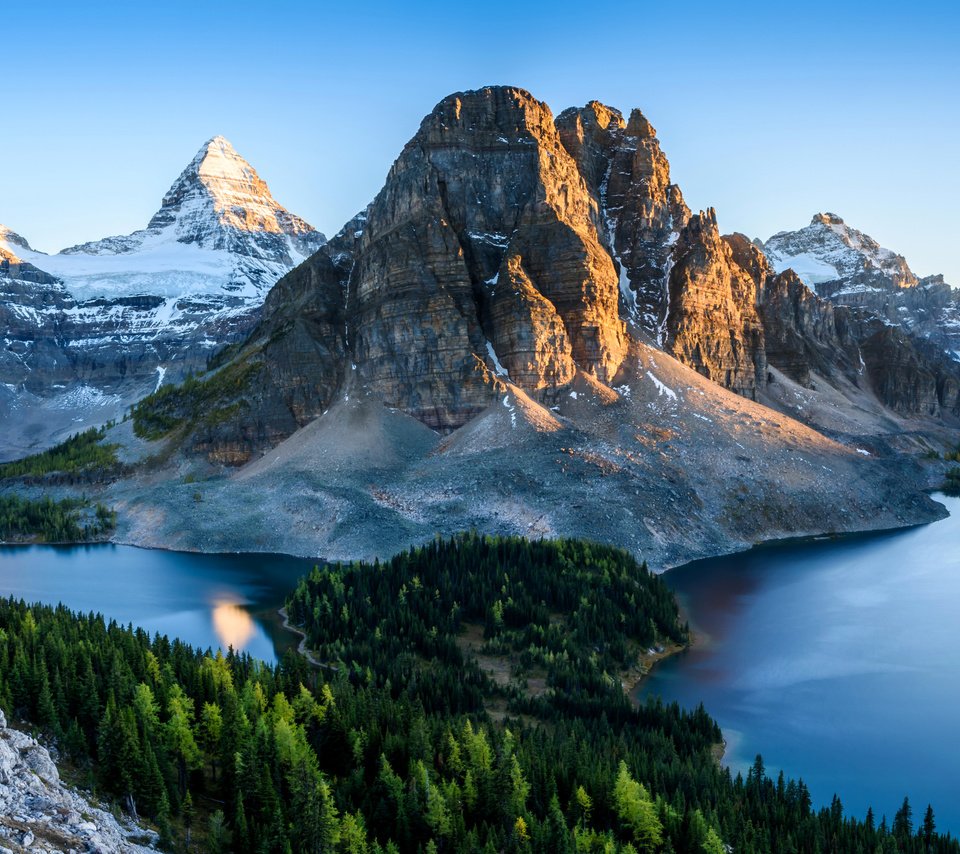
pixel 220 202
pixel 639 126
pixel 826 219
pixel 221 171
pixel 11 238
pixel 829 254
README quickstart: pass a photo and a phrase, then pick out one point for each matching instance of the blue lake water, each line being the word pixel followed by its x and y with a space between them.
pixel 837 660
pixel 206 600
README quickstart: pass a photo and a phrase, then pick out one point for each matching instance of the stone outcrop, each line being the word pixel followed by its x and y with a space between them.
pixel 643 211
pixel 909 374
pixel 527 332
pixel 39 813
pixel 805 334
pixel 713 324
pixel 483 202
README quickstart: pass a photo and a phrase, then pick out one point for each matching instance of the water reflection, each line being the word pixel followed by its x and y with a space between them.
pixel 233 625
pixel 208 601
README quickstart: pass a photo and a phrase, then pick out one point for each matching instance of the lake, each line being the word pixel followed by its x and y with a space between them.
pixel 838 660
pixel 206 600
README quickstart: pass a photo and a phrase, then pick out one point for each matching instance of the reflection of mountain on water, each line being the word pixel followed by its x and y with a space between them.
pixel 233 625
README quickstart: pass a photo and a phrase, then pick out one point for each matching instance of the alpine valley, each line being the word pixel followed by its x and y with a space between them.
pixel 526 331
pixel 519 384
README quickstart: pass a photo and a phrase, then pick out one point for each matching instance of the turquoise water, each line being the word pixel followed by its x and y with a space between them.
pixel 206 600
pixel 837 660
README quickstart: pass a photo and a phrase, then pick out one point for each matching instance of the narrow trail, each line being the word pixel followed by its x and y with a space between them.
pixel 302 646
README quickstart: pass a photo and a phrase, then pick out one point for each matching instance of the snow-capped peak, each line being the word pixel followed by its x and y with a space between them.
pixel 218 229
pixel 11 241
pixel 830 251
pixel 225 186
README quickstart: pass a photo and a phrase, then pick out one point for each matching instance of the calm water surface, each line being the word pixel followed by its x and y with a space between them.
pixel 837 660
pixel 206 600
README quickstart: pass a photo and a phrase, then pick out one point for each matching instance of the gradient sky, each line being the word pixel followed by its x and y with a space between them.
pixel 769 114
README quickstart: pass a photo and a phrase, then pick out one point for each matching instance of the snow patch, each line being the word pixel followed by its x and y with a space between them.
pixel 498 369
pixel 662 389
pixel 811 269
pixel 84 397
pixel 511 409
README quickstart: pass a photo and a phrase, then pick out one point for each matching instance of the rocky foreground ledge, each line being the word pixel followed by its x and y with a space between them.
pixel 39 813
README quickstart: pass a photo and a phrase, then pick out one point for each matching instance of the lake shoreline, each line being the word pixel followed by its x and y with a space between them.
pixel 803 654
pixel 772 542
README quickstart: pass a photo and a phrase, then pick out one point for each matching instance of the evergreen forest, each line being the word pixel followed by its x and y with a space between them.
pixel 464 696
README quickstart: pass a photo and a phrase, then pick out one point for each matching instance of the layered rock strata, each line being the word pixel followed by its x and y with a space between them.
pixel 507 247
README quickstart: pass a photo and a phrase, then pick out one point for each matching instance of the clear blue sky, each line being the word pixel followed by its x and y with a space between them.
pixel 769 112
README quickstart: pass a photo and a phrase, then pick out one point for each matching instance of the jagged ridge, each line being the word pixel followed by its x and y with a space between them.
pixel 509 247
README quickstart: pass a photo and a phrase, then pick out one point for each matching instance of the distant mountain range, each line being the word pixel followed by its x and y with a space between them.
pixel 96 326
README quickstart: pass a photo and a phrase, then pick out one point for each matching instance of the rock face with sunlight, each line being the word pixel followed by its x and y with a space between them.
pixel 507 247
pixel 95 327
pixel 526 331
pixel 712 322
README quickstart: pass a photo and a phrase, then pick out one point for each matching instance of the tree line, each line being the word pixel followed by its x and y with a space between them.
pixel 81 453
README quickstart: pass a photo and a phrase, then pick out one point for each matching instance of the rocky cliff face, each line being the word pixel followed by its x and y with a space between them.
pixel 480 261
pixel 712 324
pixel 484 232
pixel 907 329
pixel 509 248
pixel 505 246
pixel 39 813
pixel 643 212
pixel 97 326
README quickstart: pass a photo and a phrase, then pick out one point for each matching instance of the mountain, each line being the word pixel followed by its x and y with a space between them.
pixel 94 327
pixel 527 330
pixel 850 268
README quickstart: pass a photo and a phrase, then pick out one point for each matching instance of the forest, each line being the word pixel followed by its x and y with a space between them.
pixel 70 520
pixel 403 740
pixel 81 453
